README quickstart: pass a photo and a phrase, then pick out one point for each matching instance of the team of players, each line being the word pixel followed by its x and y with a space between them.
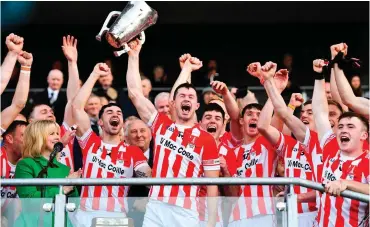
pixel 328 147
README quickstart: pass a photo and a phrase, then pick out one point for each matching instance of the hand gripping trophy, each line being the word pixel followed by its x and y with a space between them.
pixel 131 22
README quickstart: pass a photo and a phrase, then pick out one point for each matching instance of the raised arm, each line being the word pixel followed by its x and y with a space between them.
pixel 15 45
pixel 357 104
pixel 21 92
pixel 79 102
pixel 144 107
pixel 185 74
pixel 334 90
pixel 320 107
pixel 70 52
pixel 231 108
pixel 294 124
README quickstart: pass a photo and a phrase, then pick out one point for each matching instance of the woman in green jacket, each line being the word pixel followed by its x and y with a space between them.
pixel 39 140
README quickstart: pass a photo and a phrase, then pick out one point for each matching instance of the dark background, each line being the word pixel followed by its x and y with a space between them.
pixel 233 33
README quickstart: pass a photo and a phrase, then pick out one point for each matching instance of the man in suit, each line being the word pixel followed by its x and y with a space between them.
pixel 137 133
pixel 53 96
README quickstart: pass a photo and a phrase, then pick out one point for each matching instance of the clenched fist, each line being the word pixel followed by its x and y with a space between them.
pixel 219 87
pixel 281 78
pixel 101 70
pixel 296 100
pixel 25 59
pixel 335 49
pixel 14 43
pixel 268 70
pixel 135 47
pixel 193 63
pixel 254 69
pixel 318 64
pixel 183 59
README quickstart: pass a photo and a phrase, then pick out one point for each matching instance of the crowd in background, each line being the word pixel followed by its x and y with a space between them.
pixel 222 131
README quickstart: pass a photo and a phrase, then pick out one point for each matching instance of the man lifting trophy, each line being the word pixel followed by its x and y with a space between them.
pixel 131 22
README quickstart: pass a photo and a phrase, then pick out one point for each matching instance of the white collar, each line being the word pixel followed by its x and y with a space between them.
pixel 146 154
pixel 56 92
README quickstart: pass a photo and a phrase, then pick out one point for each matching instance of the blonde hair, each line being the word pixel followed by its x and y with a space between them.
pixel 35 137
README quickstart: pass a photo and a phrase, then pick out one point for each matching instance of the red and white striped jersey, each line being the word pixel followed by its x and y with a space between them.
pixel 228 139
pixel 178 153
pixel 258 159
pixel 339 211
pixel 228 154
pixel 102 160
pixel 66 155
pixel 7 172
pixel 298 161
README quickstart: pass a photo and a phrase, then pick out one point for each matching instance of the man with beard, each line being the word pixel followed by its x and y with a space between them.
pixel 181 149
pixel 345 160
pixel 213 121
pixel 104 157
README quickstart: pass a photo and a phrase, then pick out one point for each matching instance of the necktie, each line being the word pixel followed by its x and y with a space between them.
pixel 51 97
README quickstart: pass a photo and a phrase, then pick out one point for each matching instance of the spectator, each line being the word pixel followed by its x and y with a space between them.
pixel 162 103
pixel 39 140
pixel 92 108
pixel 356 86
pixel 53 96
pixel 147 87
pixel 210 75
pixel 159 77
pixel 106 89
pixel 208 94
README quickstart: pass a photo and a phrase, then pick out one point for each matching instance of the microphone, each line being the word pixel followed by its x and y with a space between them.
pixel 58 147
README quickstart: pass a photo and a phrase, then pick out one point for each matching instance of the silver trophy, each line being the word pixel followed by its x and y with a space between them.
pixel 131 22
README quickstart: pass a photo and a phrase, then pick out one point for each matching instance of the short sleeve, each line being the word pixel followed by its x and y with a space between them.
pixel 210 158
pixel 139 160
pixel 280 146
pixel 329 136
pixel 307 137
pixel 88 139
pixel 156 120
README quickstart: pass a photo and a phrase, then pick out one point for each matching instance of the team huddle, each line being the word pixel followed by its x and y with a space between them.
pixel 326 144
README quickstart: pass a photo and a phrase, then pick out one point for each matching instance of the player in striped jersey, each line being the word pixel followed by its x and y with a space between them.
pixel 213 122
pixel 104 157
pixel 11 152
pixel 181 149
pixel 297 157
pixel 343 168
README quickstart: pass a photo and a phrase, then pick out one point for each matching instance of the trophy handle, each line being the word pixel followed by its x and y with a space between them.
pixel 105 28
pixel 127 48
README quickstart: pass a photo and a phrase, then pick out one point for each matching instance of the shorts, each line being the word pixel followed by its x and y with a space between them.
pixel 160 214
pixel 307 219
pixel 82 218
pixel 256 221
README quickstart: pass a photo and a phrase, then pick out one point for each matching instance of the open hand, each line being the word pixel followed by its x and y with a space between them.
pixel 70 48
pixel 14 43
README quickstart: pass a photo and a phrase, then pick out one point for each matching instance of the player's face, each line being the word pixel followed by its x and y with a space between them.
pixel 111 121
pixel 163 106
pixel 139 135
pixel 186 103
pixel 52 138
pixel 307 117
pixel 17 140
pixel 351 134
pixel 93 106
pixel 213 123
pixel 249 122
pixel 43 112
pixel 334 114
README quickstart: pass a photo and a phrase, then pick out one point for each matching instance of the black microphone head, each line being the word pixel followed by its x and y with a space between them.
pixel 58 147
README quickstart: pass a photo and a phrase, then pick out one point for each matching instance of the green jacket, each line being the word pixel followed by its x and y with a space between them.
pixel 32 200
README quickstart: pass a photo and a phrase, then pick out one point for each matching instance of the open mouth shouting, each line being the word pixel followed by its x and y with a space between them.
pixel 252 125
pixel 344 139
pixel 211 128
pixel 114 121
pixel 186 107
pixel 305 122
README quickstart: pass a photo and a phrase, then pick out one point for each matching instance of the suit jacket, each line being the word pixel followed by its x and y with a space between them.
pixel 58 106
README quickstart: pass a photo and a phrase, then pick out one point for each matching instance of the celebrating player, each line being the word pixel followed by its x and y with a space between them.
pixel 181 149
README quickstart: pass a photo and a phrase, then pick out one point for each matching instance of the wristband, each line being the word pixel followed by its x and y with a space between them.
pixel 291 106
pixel 26 69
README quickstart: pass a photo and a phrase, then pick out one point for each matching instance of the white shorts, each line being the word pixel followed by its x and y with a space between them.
pixel 160 214
pixel 204 224
pixel 82 218
pixel 256 221
pixel 307 219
